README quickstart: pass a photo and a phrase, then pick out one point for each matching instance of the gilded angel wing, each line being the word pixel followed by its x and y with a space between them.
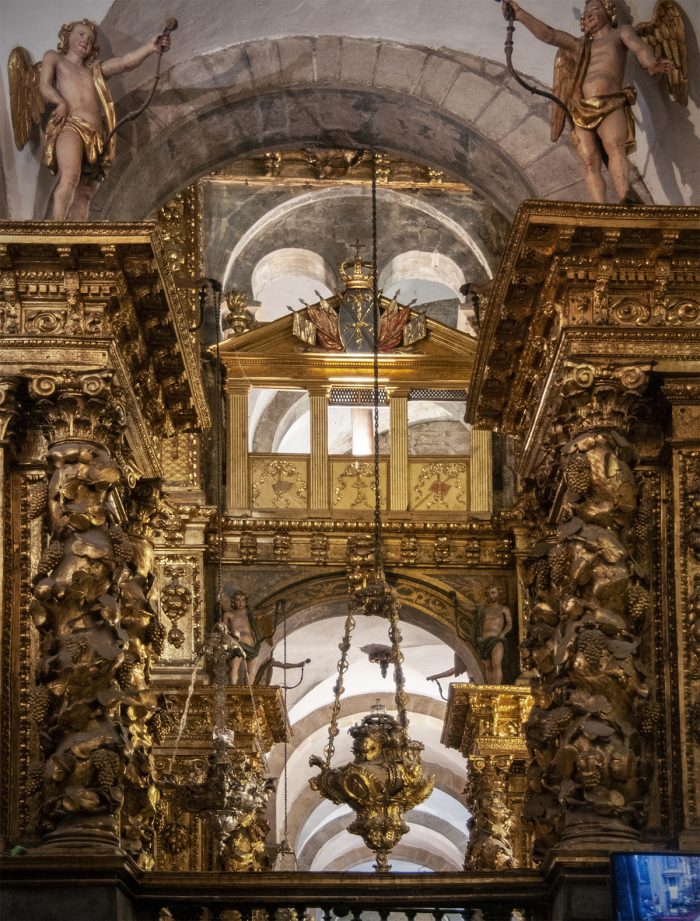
pixel 562 87
pixel 26 104
pixel 665 35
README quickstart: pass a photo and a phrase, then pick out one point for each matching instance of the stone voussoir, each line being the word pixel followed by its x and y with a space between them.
pixel 399 67
pixel 296 60
pixel 358 60
pixel 326 59
pixel 437 79
pixel 264 60
pixel 470 94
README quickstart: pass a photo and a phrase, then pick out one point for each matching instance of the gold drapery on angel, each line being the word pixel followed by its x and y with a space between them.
pixel 664 33
pixel 27 108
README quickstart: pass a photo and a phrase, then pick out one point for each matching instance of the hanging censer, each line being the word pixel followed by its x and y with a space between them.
pixel 385 778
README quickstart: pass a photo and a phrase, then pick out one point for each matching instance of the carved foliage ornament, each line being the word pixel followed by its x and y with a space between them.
pixel 85 406
pixel 589 775
pixel 491 822
pixel 98 632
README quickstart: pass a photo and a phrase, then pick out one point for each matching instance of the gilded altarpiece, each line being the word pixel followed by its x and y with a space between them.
pixel 91 324
pixel 593 325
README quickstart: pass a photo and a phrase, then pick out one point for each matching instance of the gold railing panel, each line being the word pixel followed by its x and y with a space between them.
pixel 352 483
pixel 279 481
pixel 438 484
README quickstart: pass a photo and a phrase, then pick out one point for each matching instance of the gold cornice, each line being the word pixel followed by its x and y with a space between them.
pixel 478 527
pixel 103 249
pixel 269 710
pixel 583 282
pixel 486 718
pixel 58 232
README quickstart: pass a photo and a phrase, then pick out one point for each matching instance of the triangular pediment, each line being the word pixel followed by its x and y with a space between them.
pixel 278 337
pixel 272 355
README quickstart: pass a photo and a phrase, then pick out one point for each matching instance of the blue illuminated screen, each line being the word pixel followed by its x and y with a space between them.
pixel 656 887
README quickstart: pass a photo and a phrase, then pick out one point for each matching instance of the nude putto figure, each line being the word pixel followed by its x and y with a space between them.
pixel 589 75
pixel 79 145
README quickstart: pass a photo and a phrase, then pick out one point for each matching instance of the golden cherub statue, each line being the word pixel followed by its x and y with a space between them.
pixel 589 75
pixel 79 142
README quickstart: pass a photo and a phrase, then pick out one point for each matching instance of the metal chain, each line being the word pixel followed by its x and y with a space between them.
pixel 378 555
pixel 280 606
pixel 219 456
pixel 342 667
pixel 397 656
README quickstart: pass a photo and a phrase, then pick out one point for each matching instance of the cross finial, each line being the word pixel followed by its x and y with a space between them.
pixel 358 246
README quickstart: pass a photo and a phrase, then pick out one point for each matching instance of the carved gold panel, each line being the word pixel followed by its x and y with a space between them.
pixel 180 458
pixel 279 481
pixel 352 483
pixel 438 485
pixel 180 600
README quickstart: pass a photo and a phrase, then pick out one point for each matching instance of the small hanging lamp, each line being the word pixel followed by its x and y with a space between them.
pixel 385 778
pixel 232 790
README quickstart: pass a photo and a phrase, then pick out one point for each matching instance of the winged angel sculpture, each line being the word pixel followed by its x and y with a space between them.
pixel 589 75
pixel 79 142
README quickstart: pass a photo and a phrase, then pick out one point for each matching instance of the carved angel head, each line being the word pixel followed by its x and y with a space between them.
pixel 596 13
pixel 64 38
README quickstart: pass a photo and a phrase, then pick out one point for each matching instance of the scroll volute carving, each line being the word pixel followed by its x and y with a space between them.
pixel 588 777
pixel 84 406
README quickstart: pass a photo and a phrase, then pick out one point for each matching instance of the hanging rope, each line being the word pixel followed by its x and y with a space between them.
pixel 281 608
pixel 170 26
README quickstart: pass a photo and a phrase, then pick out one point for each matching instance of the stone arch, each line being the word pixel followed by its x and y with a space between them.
pixel 285 267
pixel 425 601
pixel 439 834
pixel 279 413
pixel 324 91
pixel 479 248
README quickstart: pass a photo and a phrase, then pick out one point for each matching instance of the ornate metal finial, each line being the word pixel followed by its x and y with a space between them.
pixel 239 318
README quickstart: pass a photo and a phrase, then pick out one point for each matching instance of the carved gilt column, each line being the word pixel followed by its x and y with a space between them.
pixel 96 626
pixel 238 480
pixel 319 483
pixel 398 456
pixel 590 771
pixel 594 311
pixel 485 723
pixel 8 413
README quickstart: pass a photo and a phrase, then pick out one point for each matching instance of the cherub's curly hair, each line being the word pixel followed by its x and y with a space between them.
pixel 610 11
pixel 64 35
